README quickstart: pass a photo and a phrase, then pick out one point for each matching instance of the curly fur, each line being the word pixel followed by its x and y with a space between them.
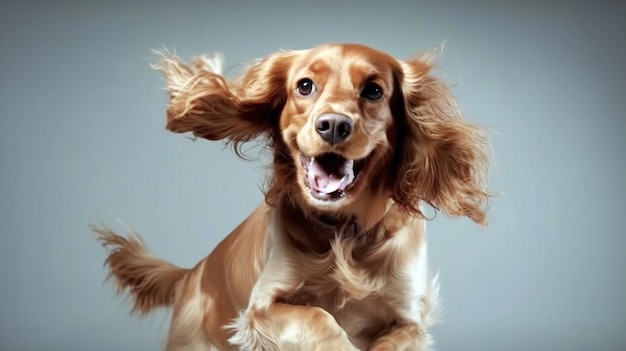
pixel 444 159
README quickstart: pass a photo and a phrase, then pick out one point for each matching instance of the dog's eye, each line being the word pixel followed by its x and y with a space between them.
pixel 372 91
pixel 305 87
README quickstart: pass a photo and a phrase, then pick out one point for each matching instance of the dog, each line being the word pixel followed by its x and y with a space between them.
pixel 335 257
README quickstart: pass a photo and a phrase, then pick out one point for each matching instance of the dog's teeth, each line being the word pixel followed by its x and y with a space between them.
pixel 344 181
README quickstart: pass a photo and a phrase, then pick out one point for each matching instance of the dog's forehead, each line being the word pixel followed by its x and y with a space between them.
pixel 358 60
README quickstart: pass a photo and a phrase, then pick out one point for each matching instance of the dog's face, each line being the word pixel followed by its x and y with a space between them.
pixel 352 128
pixel 337 121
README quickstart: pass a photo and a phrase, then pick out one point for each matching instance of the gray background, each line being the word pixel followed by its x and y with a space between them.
pixel 83 140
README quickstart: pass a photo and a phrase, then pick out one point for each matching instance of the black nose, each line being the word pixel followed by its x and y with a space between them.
pixel 334 128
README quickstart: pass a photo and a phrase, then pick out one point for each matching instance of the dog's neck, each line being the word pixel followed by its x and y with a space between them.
pixel 315 231
pixel 331 226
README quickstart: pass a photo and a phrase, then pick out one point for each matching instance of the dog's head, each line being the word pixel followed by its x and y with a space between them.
pixel 352 128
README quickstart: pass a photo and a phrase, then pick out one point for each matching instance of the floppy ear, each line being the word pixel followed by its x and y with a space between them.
pixel 203 102
pixel 443 159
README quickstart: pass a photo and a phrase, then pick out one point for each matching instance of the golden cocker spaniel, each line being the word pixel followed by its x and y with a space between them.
pixel 335 258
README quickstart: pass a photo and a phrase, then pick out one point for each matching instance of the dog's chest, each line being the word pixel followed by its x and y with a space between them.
pixel 362 306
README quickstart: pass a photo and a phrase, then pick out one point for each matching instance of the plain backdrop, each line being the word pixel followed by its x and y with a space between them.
pixel 82 140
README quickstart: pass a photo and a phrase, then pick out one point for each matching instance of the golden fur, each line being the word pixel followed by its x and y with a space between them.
pixel 321 265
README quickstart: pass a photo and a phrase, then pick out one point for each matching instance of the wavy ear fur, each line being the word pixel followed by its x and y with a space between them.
pixel 443 158
pixel 203 102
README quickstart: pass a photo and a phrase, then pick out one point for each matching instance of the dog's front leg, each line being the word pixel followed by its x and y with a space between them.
pixel 283 327
pixel 269 324
pixel 403 337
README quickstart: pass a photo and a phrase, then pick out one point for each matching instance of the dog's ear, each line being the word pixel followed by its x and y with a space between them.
pixel 442 158
pixel 203 102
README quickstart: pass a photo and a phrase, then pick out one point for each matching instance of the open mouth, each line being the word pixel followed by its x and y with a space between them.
pixel 330 176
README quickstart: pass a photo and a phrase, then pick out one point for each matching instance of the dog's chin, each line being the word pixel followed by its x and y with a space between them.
pixel 331 181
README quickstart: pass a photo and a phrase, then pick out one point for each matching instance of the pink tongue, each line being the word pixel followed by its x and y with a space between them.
pixel 326 180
